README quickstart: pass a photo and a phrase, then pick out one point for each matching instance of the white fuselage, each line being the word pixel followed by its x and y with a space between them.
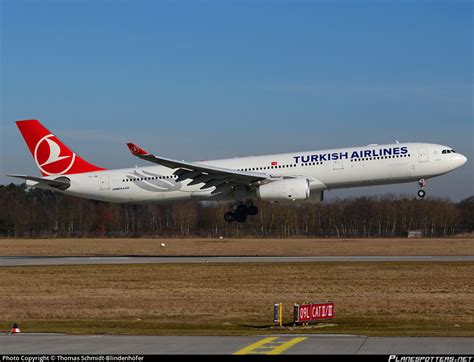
pixel 325 169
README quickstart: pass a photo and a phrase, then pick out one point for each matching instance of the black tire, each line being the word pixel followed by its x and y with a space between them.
pixel 252 210
pixel 241 217
pixel 241 209
pixel 229 216
pixel 421 193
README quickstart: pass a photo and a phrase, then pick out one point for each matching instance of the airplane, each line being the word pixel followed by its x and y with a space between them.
pixel 288 177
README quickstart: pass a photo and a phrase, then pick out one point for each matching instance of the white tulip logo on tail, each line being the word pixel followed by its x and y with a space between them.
pixel 52 157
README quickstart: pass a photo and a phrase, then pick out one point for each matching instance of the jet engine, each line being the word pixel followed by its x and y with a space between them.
pixel 293 189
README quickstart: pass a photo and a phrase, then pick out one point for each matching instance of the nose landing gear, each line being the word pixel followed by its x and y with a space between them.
pixel 240 213
pixel 421 193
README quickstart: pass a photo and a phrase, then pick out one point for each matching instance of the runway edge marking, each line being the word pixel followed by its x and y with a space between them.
pixel 250 349
pixel 284 346
pixel 269 346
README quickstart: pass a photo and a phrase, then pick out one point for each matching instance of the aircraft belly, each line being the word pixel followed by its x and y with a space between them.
pixel 365 174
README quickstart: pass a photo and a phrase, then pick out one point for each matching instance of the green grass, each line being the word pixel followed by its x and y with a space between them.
pixel 368 327
pixel 375 299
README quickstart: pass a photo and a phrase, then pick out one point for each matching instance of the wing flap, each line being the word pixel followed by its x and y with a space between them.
pixel 211 176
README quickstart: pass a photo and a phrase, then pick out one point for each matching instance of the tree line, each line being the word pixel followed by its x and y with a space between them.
pixel 26 212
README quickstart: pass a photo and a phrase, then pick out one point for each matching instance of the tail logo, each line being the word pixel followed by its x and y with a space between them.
pixel 52 157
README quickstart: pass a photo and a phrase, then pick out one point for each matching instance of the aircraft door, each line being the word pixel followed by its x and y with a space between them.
pixel 104 182
pixel 337 165
pixel 422 154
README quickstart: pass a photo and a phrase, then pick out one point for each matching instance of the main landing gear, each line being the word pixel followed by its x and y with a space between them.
pixel 240 213
pixel 421 193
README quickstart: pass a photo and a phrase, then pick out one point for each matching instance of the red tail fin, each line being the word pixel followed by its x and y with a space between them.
pixel 51 155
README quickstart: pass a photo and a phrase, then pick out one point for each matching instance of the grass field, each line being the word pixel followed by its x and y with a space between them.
pixel 94 247
pixel 390 298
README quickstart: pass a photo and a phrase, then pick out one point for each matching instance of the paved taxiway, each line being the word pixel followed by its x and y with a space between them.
pixel 276 344
pixel 52 260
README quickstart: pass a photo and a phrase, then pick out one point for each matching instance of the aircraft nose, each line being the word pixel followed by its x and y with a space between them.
pixel 460 159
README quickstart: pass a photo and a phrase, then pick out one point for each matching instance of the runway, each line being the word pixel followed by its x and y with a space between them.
pixel 271 344
pixel 72 260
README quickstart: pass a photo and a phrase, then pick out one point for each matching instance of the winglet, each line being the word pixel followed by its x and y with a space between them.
pixel 137 151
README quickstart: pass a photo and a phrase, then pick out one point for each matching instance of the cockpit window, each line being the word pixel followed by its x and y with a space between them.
pixel 447 151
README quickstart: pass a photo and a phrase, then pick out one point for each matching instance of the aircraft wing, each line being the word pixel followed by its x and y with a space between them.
pixel 221 178
pixel 59 183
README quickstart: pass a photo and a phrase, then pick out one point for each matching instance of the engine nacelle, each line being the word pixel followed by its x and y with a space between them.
pixel 316 197
pixel 294 189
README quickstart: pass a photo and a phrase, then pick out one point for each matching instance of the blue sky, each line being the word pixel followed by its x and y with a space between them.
pixel 211 79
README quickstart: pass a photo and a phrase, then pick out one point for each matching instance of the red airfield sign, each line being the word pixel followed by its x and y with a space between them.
pixel 313 312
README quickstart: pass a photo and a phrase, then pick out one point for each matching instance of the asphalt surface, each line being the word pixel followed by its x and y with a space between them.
pixel 53 260
pixel 276 344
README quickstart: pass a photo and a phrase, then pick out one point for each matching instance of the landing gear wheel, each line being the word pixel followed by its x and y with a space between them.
pixel 241 217
pixel 421 193
pixel 229 216
pixel 252 210
pixel 241 209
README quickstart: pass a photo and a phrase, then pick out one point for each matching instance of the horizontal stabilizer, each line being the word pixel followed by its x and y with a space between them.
pixel 61 183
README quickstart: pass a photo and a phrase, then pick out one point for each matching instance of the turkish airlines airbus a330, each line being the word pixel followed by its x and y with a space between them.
pixel 286 177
